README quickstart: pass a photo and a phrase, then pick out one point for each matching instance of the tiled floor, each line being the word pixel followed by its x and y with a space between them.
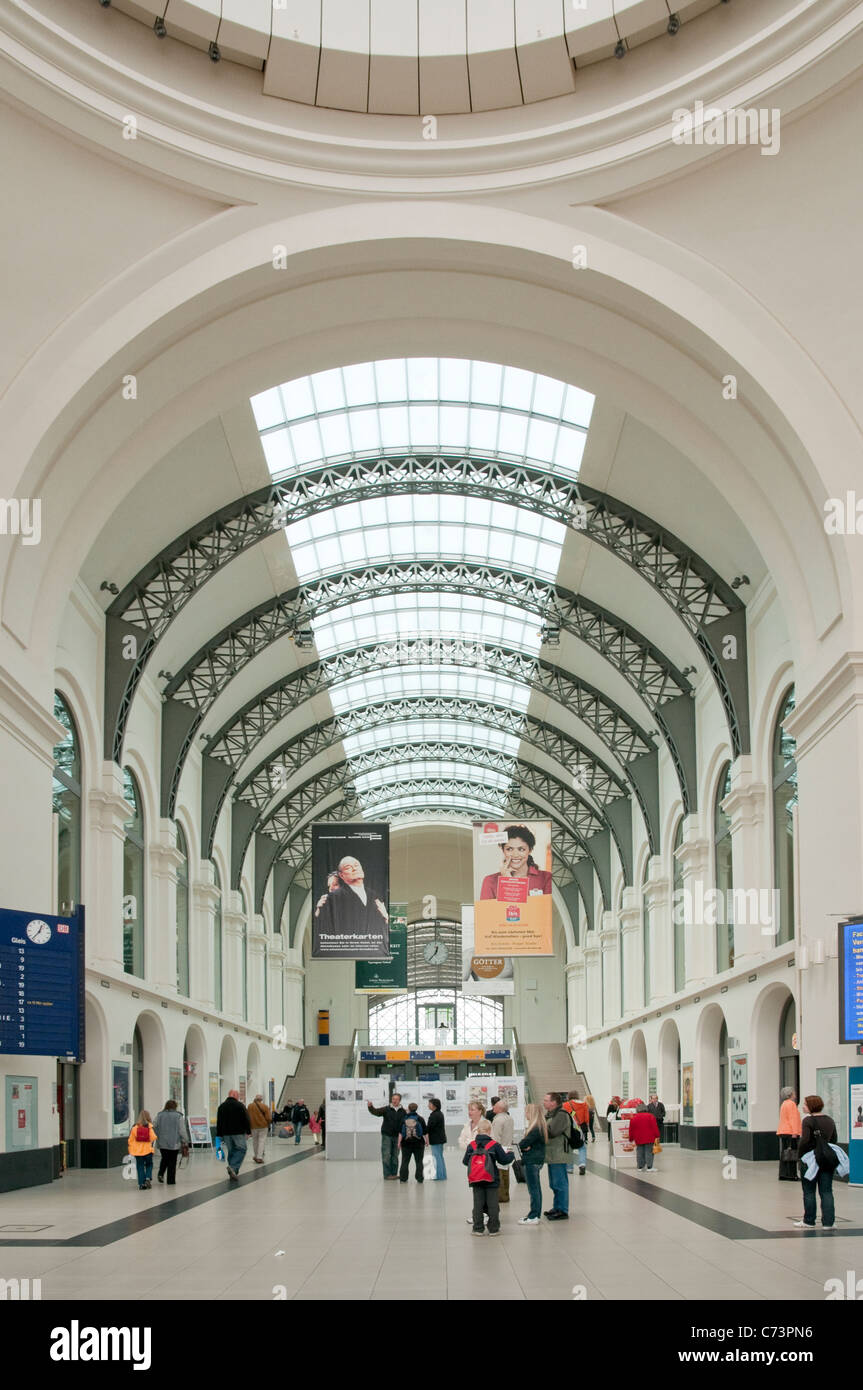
pixel 314 1229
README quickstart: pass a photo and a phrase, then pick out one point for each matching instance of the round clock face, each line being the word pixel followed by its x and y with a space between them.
pixel 39 932
pixel 435 953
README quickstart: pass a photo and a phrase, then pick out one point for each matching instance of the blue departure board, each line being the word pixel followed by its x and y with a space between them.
pixel 851 982
pixel 42 984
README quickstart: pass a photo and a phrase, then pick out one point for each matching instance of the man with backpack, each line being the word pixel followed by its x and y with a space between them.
pixel 413 1133
pixel 481 1158
pixel 299 1117
pixel 579 1113
pixel 556 1152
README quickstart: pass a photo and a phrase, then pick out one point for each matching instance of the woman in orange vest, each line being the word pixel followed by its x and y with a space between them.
pixel 141 1141
pixel 789 1130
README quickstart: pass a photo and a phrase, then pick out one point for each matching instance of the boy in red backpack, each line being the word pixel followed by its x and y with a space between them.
pixel 481 1158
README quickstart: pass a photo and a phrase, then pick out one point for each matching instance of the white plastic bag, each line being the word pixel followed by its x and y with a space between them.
pixel 429 1168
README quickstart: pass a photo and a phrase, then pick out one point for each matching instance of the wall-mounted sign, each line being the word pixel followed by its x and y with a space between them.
pixel 740 1091
pixel 42 984
pixel 851 981
pixel 387 976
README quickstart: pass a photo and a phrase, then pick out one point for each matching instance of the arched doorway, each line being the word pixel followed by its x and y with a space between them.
pixel 194 1073
pixel 227 1067
pixel 789 1057
pixel 668 1071
pixel 723 1083
pixel 711 1077
pixel 137 1072
pixel 638 1065
pixel 149 1068
pixel 253 1073
pixel 615 1067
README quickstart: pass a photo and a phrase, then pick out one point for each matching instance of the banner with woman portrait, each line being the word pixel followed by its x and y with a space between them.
pixel 512 888
pixel 350 891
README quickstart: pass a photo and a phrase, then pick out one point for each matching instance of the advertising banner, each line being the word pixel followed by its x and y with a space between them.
pixel 214 1096
pixel 740 1091
pixel 831 1084
pixel 512 889
pixel 121 1118
pixel 350 891
pixel 387 976
pixel 482 974
pixel 687 1082
pixel 199 1129
pixel 175 1086
pixel 622 1148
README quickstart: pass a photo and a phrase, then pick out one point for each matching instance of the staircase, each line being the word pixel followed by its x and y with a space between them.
pixel 316 1064
pixel 549 1067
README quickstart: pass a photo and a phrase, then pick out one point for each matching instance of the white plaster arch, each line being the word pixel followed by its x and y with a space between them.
pixel 615 1067
pixel 155 1056
pixel 766 1017
pixel 638 1064
pixel 195 1049
pixel 706 1078
pixel 96 1098
pixel 228 1068
pixel 253 1071
pixel 668 1063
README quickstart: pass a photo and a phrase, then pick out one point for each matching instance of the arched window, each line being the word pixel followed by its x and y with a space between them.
pixel 182 915
pixel 133 880
pixel 678 916
pixel 724 873
pixel 784 802
pixel 217 942
pixel 244 946
pixel 67 809
pixel 645 935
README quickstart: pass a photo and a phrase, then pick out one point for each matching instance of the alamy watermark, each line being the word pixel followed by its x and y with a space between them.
pixel 21 516
pixel 740 125
pixel 742 907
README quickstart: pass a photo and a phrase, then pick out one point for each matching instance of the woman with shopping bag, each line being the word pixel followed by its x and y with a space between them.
pixel 789 1130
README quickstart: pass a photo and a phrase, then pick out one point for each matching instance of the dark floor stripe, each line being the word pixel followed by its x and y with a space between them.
pixel 711 1220
pixel 143 1220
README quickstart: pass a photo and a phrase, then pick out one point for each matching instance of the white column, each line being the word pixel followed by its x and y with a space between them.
pixel 233 931
pixel 694 858
pixel 576 999
pixel 257 965
pixel 593 980
pixel 202 925
pixel 108 812
pixel 276 959
pixel 294 975
pixel 160 946
pixel 630 949
pixel 657 892
pixel 609 941
pixel 746 806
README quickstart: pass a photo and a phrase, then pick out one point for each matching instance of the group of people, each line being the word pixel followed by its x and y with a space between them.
pixel 171 1132
pixel 555 1137
pixel 297 1115
pixel 808 1142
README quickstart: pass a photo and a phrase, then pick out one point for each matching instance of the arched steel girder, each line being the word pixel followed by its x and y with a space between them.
pixel 598 783
pixel 656 681
pixel 627 742
pixel 574 816
pixel 705 603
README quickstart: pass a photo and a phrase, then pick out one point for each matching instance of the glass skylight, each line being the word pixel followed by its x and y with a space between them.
pixel 458 804
pixel 410 681
pixel 426 527
pixel 423 405
pixel 415 731
pixel 418 769
pixel 432 615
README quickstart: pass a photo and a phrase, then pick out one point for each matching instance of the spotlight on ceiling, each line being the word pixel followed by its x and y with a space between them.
pixel 674 24
pixel 160 28
pixel 166 675
pixel 215 52
pixel 112 588
pixel 104 4
pixel 550 634
pixel 741 579
pixel 620 49
pixel 303 637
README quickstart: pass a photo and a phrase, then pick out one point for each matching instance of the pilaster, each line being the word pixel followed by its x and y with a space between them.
pixel 160 948
pixel 108 812
pixel 631 952
pixel 203 908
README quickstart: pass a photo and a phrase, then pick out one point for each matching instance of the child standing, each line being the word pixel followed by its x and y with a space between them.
pixel 481 1158
pixel 141 1141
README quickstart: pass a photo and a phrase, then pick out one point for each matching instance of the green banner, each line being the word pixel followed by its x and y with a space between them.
pixel 387 976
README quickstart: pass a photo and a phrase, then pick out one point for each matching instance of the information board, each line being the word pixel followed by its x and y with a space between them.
pixel 851 982
pixel 42 984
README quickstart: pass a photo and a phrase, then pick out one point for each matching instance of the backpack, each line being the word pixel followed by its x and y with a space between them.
pixel 413 1127
pixel 826 1158
pixel 142 1134
pixel 482 1167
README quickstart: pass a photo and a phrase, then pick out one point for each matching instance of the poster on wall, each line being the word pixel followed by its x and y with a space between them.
pixel 855 1093
pixel 22 1112
pixel 341 1105
pixel 370 1088
pixel 121 1117
pixel 512 889
pixel 482 974
pixel 214 1096
pixel 350 891
pixel 652 1088
pixel 242 1089
pixel 687 1086
pixel 175 1085
pixel 624 1086
pixel 388 976
pixel 740 1091
pixel 454 1104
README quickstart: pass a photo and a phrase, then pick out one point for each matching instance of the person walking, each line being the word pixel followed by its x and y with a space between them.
pixel 532 1148
pixel 436 1129
pixel 322 1116
pixel 413 1136
pixel 789 1130
pixel 591 1108
pixel 260 1117
pixel 580 1114
pixel 657 1110
pixel 611 1114
pixel 315 1129
pixel 643 1133
pixel 392 1119
pixel 142 1137
pixel 232 1126
pixel 481 1158
pixel 502 1130
pixel 816 1123
pixel 299 1117
pixel 172 1134
pixel 556 1151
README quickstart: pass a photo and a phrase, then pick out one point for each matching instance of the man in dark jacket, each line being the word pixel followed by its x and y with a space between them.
pixel 657 1110
pixel 393 1117
pixel 556 1151
pixel 485 1184
pixel 413 1143
pixel 232 1125
pixel 299 1117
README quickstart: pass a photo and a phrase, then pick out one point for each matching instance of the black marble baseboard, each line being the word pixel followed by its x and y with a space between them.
pixel 699 1136
pixel 758 1145
pixel 28 1168
pixel 104 1153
